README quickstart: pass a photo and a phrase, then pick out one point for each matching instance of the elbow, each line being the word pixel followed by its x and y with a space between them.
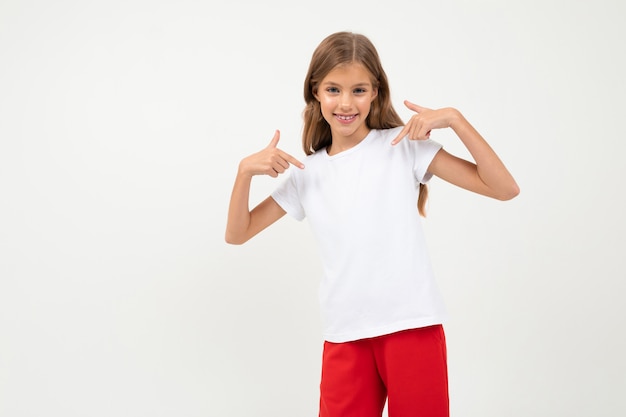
pixel 510 193
pixel 234 240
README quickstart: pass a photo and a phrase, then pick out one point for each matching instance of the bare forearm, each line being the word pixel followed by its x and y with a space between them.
pixel 490 169
pixel 239 209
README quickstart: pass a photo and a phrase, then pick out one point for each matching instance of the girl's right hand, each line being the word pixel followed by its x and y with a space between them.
pixel 269 161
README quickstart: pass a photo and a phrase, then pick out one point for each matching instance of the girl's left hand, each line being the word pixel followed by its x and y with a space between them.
pixel 421 124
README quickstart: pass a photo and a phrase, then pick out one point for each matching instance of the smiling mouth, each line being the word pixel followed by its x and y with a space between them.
pixel 345 118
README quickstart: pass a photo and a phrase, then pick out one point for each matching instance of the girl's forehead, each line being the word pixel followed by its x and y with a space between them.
pixel 352 71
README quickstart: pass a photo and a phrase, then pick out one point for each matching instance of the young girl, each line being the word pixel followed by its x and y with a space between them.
pixel 364 173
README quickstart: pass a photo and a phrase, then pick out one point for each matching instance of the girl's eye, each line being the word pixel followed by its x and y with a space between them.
pixel 332 89
pixel 359 90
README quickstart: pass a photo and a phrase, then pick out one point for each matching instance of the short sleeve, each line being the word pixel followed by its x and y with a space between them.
pixel 424 153
pixel 287 197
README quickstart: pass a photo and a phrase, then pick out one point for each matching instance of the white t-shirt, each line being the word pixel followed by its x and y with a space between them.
pixel 362 207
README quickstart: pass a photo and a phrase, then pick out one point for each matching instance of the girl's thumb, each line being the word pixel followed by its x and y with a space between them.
pixel 413 106
pixel 275 139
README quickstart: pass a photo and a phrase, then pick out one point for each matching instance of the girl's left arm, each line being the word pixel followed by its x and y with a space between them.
pixel 487 175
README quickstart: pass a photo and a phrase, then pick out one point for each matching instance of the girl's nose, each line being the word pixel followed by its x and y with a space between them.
pixel 346 100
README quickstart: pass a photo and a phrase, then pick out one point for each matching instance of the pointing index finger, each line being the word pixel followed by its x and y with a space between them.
pixel 292 160
pixel 400 136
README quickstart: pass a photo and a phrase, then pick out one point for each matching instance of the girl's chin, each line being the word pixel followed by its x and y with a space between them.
pixel 347 131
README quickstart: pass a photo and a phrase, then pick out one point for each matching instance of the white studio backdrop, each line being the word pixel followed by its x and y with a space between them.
pixel 121 127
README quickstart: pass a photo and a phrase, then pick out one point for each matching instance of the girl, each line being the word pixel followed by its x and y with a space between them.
pixel 363 174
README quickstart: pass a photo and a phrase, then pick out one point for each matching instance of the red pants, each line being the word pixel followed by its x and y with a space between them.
pixel 407 368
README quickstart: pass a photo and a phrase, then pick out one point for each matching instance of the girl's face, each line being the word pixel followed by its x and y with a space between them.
pixel 345 97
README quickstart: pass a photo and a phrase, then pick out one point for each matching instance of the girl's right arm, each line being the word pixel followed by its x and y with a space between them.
pixel 242 223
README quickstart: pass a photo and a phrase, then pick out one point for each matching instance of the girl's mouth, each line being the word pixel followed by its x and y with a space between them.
pixel 345 118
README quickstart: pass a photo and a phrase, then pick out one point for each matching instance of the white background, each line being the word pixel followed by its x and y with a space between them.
pixel 121 127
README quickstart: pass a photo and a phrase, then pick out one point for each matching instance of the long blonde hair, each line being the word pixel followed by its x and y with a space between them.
pixel 343 48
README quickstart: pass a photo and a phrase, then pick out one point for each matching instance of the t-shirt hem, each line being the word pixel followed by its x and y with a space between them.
pixel 381 331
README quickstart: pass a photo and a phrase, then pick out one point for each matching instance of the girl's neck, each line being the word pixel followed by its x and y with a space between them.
pixel 343 143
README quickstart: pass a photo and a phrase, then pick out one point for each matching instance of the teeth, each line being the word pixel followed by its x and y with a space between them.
pixel 345 117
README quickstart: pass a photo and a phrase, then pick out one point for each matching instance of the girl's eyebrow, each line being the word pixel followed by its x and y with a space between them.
pixel 332 83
